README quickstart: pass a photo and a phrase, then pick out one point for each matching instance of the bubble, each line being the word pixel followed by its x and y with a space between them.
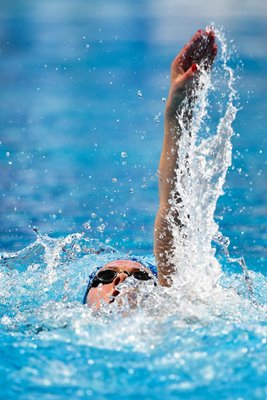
pixel 139 94
pixel 124 154
pixel 163 99
pixel 114 180
pixel 93 215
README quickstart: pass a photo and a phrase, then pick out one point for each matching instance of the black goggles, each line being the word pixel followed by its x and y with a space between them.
pixel 108 276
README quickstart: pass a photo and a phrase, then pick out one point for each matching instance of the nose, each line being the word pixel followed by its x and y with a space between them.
pixel 121 276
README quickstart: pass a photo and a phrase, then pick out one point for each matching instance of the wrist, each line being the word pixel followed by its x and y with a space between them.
pixel 176 106
pixel 174 102
pixel 172 110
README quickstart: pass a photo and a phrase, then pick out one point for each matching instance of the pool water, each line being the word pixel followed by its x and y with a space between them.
pixel 83 91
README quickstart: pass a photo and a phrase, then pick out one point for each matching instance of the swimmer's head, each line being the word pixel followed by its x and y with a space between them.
pixel 103 284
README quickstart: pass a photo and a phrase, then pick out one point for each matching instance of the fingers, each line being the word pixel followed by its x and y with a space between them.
pixel 214 52
pixel 193 44
pixel 210 56
pixel 203 47
pixel 210 51
pixel 191 72
pixel 195 67
pixel 199 49
pixel 185 56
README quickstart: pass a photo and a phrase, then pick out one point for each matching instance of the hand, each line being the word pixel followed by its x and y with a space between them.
pixel 198 53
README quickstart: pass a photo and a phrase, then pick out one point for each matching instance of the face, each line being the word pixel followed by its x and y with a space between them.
pixel 106 293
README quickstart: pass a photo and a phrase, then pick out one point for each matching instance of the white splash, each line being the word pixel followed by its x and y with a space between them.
pixel 204 157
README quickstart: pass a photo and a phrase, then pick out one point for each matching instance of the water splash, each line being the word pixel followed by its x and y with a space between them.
pixel 204 156
pixel 192 341
pixel 57 269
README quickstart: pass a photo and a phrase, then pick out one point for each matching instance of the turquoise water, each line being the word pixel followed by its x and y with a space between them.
pixel 82 102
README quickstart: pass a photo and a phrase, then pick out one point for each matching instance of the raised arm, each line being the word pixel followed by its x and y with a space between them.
pixel 200 50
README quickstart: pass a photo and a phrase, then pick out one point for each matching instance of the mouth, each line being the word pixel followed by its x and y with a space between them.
pixel 128 296
pixel 115 293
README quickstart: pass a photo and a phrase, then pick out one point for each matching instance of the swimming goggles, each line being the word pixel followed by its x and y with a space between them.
pixel 107 276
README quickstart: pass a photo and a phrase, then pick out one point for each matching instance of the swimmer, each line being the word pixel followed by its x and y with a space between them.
pixel 103 283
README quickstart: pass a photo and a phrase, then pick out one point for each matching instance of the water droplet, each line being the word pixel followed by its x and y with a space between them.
pixel 101 228
pixel 124 154
pixel 87 225
pixel 114 180
pixel 131 190
pixel 139 94
pixel 76 247
pixel 157 118
pixel 93 215
pixel 163 99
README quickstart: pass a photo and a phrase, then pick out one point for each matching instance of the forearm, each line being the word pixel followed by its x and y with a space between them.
pixel 168 158
pixel 178 116
pixel 163 238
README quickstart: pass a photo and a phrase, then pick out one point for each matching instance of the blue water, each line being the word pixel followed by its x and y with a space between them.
pixel 81 85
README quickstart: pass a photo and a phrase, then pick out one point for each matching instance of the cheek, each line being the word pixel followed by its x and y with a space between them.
pixel 95 295
pixel 92 296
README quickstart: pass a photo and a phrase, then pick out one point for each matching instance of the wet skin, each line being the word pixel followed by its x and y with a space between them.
pixel 198 53
pixel 106 293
